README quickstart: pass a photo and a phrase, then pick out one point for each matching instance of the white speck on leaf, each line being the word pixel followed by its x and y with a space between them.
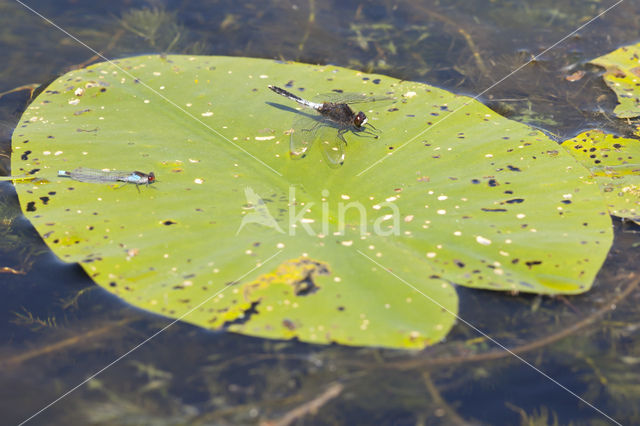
pixel 482 240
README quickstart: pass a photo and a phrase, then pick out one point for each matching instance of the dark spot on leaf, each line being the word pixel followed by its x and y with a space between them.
pixel 458 263
pixel 31 206
pixel 515 201
pixel 533 263
pixel 45 200
pixel 169 222
pixel 376 81
pixel 305 287
pixel 493 182
pixel 288 324
pixel 475 181
pixel 513 168
pixel 25 156
pixel 246 317
pixel 112 284
pixel 493 210
pixel 341 308
pixel 33 171
pixel 566 201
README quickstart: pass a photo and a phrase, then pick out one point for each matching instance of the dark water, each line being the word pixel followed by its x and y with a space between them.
pixel 57 328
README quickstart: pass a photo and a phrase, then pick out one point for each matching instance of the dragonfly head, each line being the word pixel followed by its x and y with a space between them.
pixel 360 120
pixel 151 177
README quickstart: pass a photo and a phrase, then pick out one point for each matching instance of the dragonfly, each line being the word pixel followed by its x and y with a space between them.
pixel 83 174
pixel 336 113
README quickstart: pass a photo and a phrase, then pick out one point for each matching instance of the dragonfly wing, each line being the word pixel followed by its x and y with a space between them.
pixel 332 145
pixel 303 134
pixel 350 98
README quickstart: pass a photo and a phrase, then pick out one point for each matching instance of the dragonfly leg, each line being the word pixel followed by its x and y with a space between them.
pixel 362 132
pixel 341 132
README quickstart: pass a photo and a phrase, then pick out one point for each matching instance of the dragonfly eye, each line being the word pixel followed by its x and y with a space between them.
pixel 151 178
pixel 360 119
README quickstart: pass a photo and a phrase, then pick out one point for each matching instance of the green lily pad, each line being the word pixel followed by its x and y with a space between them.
pixel 614 163
pixel 623 76
pixel 237 235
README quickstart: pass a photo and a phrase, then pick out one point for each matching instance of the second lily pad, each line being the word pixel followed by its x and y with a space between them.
pixel 623 76
pixel 614 163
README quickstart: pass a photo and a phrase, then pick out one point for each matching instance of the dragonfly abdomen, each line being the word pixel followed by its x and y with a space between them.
pixel 295 98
